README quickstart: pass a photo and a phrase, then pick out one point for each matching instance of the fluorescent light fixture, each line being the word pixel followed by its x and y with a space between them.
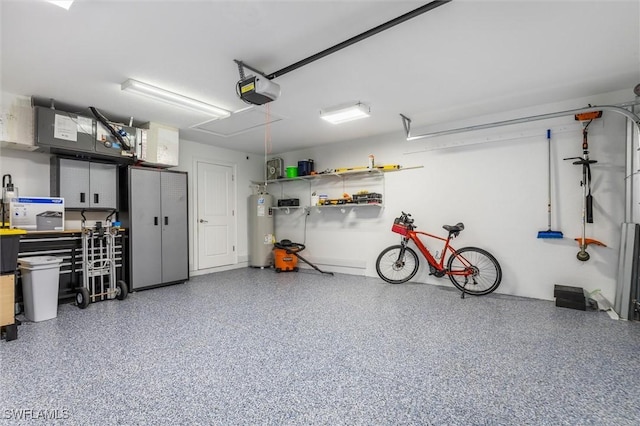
pixel 343 113
pixel 63 4
pixel 174 99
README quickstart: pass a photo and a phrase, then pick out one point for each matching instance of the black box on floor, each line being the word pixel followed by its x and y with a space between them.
pixel 573 304
pixel 569 293
pixel 570 297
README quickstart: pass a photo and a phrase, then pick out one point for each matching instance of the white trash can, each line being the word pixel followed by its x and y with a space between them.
pixel 40 283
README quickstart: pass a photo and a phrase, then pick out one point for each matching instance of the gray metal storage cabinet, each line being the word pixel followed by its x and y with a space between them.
pixel 156 216
pixel 85 184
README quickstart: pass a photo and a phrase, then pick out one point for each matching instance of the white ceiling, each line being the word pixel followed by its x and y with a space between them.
pixel 463 59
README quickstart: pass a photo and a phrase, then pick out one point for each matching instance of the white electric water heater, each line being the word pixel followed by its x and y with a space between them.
pixel 261 225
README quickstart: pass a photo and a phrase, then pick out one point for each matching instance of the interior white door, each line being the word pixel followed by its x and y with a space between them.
pixel 216 218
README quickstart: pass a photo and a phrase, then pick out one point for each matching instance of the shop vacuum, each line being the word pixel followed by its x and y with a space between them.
pixel 286 255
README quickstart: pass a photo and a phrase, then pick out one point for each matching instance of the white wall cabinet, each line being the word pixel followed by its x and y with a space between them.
pixel 159 145
pixel 85 184
pixel 16 122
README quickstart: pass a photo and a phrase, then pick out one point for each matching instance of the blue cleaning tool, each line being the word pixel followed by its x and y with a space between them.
pixel 549 233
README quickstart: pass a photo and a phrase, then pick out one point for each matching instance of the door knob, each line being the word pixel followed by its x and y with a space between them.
pixel 204 221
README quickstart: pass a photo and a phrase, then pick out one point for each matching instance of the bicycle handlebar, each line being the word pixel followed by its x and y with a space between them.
pixel 404 217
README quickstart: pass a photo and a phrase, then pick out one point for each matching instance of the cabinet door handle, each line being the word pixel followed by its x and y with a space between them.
pixel 166 220
pixel 96 198
pixel 82 197
pixel 204 221
pixel 155 221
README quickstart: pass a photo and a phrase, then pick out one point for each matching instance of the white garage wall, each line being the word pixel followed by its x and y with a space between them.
pixel 498 189
pixel 30 173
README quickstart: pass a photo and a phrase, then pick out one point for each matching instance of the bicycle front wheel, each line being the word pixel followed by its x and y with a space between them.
pixel 474 271
pixel 397 264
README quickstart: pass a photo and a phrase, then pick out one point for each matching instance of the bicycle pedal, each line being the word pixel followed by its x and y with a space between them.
pixel 435 272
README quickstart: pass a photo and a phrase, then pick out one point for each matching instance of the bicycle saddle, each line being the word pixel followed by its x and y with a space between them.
pixel 454 228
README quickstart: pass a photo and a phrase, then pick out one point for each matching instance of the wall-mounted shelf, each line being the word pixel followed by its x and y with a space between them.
pixel 327 175
pixel 377 182
pixel 344 207
pixel 356 172
pixel 287 209
pixel 349 205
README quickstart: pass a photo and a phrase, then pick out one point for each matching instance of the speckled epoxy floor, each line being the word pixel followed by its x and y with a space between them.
pixel 250 346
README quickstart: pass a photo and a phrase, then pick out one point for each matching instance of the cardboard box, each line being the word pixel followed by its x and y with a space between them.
pixel 37 213
pixel 7 299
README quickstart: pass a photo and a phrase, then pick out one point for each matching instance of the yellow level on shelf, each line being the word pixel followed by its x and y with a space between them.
pixel 384 167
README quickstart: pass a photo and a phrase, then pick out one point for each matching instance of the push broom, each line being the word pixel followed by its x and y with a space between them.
pixel 549 233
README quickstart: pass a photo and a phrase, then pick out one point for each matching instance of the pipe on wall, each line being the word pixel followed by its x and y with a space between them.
pixel 620 109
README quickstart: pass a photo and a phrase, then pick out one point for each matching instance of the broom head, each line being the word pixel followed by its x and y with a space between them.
pixel 550 234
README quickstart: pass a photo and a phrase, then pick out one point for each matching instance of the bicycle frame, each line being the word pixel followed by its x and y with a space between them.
pixel 438 264
pixel 471 266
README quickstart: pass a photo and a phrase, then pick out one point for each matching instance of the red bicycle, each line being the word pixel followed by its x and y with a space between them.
pixel 472 270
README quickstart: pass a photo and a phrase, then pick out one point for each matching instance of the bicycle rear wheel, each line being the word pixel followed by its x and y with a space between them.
pixel 397 264
pixel 484 271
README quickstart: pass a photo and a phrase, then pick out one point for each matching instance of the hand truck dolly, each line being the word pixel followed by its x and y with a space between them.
pixel 99 265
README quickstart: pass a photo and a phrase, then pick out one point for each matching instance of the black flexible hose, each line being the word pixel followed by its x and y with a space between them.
pixel 109 127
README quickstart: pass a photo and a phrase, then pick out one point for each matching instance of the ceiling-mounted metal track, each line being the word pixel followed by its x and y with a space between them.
pixel 406 121
pixel 419 11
